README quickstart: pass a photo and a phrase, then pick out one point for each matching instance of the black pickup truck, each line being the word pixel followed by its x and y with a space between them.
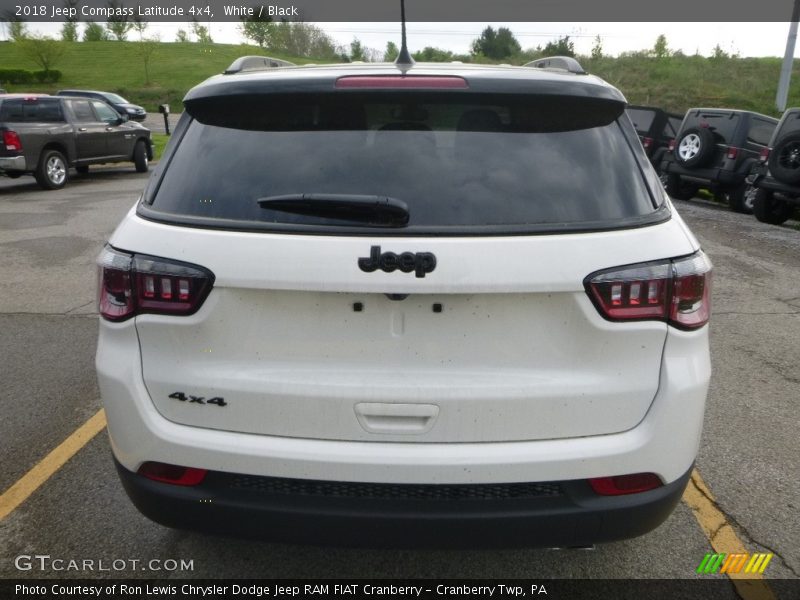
pixel 46 135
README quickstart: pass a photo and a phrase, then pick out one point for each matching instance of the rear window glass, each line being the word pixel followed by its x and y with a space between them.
pixel 455 163
pixel 642 119
pixel 41 110
pixel 722 124
pixel 791 123
pixel 672 127
pixel 760 131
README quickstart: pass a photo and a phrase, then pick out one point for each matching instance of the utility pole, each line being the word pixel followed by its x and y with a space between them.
pixel 788 60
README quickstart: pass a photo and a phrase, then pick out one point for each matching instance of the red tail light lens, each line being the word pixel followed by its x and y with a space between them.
pixel 647 143
pixel 764 156
pixel 676 291
pixel 672 144
pixel 625 484
pixel 172 474
pixel 136 284
pixel 732 152
pixel 11 141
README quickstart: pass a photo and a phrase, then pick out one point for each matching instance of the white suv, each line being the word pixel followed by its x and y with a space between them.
pixel 443 305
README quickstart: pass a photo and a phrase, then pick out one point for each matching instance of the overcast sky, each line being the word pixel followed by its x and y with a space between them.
pixel 747 39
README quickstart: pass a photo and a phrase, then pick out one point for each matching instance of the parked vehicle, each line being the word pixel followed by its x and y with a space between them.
pixel 715 149
pixel 777 174
pixel 120 104
pixel 46 135
pixel 655 128
pixel 405 305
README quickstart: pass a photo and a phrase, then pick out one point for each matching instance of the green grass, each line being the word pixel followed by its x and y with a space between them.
pixel 675 83
pixel 159 142
pixel 116 67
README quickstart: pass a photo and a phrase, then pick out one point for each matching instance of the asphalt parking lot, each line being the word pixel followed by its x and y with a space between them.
pixel 749 459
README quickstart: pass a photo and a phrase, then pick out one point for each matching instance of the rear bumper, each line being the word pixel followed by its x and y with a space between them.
pixel 560 514
pixel 790 193
pixel 12 163
pixel 721 177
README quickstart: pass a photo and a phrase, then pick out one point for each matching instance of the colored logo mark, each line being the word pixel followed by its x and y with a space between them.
pixel 734 563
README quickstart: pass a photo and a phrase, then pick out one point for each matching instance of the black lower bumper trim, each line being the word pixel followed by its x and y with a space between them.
pixel 554 514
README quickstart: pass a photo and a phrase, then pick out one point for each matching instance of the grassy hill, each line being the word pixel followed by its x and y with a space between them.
pixel 675 83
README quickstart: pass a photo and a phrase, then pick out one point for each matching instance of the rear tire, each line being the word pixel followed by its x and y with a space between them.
pixel 695 147
pixel 741 199
pixel 784 160
pixel 140 157
pixel 768 209
pixel 679 189
pixel 52 172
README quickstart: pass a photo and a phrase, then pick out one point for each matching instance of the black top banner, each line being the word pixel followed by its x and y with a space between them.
pixel 389 10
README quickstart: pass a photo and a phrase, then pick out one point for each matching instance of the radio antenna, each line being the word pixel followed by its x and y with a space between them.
pixel 404 58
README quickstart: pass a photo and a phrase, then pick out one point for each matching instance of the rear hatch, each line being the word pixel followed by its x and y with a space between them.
pixel 458 314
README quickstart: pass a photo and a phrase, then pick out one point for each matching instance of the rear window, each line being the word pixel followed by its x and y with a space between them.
pixel 642 119
pixel 672 127
pixel 723 124
pixel 761 131
pixel 38 110
pixel 460 164
pixel 790 124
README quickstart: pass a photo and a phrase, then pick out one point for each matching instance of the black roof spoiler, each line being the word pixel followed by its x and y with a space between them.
pixel 256 63
pixel 562 63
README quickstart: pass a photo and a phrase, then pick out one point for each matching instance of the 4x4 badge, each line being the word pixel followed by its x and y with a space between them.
pixel 420 262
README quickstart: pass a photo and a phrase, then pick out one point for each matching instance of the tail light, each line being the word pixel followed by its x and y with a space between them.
pixel 625 484
pixel 11 141
pixel 172 474
pixel 671 144
pixel 732 152
pixel 647 143
pixel 764 156
pixel 134 284
pixel 677 291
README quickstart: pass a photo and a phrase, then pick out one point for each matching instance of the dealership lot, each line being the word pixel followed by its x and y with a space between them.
pixel 750 455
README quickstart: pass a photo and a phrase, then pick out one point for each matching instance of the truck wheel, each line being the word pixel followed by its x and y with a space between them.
pixel 768 209
pixel 695 147
pixel 784 160
pixel 140 157
pixel 741 199
pixel 679 189
pixel 52 172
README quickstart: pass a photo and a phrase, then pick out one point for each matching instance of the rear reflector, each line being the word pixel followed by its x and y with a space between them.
pixel 764 155
pixel 11 141
pixel 416 82
pixel 676 291
pixel 172 474
pixel 132 284
pixel 620 485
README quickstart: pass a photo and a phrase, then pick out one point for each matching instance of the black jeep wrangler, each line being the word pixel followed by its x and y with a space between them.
pixel 777 175
pixel 715 149
pixel 656 128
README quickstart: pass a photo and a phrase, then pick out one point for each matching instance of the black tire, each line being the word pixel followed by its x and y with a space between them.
pixel 52 172
pixel 695 147
pixel 742 198
pixel 679 189
pixel 784 160
pixel 82 169
pixel 140 157
pixel 769 209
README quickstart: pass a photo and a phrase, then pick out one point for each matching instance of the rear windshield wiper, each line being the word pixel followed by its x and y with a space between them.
pixel 371 210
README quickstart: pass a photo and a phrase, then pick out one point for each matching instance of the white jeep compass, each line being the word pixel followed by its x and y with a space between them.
pixel 430 305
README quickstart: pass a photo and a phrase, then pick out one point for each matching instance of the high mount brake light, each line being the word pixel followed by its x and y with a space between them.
pixel 416 82
pixel 11 141
pixel 129 285
pixel 677 291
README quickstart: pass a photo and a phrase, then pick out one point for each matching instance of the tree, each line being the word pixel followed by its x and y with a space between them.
pixel 431 54
pixel 391 53
pixel 140 25
pixel 69 31
pixel 181 37
pixel 660 50
pixel 258 29
pixel 498 44
pixel 308 41
pixel 118 25
pixel 561 47
pixel 597 48
pixel 94 32
pixel 44 51
pixel 17 30
pixel 145 49
pixel 356 50
pixel 201 32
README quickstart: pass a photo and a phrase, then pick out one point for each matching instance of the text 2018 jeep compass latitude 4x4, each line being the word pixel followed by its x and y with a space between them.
pixel 430 305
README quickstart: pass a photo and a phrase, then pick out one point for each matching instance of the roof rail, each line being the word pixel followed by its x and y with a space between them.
pixel 562 63
pixel 256 63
